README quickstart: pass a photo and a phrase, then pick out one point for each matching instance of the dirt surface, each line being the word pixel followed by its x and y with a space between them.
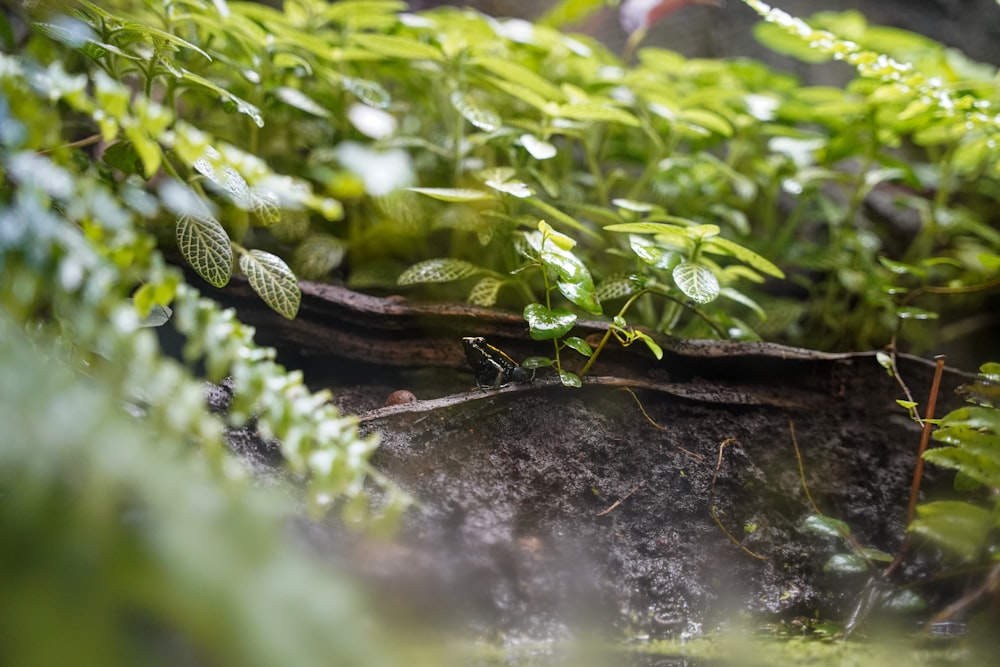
pixel 544 511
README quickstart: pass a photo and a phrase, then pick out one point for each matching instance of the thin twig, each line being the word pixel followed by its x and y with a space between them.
pixel 80 143
pixel 925 438
pixel 802 472
pixel 642 409
pixel 899 378
pixel 703 393
pixel 711 503
pixel 618 502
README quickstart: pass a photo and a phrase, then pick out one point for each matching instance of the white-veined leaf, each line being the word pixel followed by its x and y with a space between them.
pixel 484 292
pixel 696 281
pixel 206 247
pixel 442 270
pixel 616 286
pixel 273 281
pixel 235 185
pixel 318 255
pixel 265 206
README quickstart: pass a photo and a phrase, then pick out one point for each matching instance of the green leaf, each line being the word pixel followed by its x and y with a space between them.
pixel 317 255
pixel 653 346
pixel 368 92
pixel 521 93
pixel 484 119
pixel 265 206
pixel 846 564
pixel 982 467
pixel 454 194
pixel 149 151
pixel 825 525
pixel 782 41
pixel 743 299
pixel 646 250
pixel 522 76
pixel 502 180
pixel 582 294
pixel 696 281
pixel 158 34
pixel 273 281
pixel 683 236
pixel 985 420
pixel 633 206
pixel 238 103
pixel 877 555
pixel 571 12
pixel 721 246
pixel 546 324
pixel 594 112
pixel 550 235
pixel 653 227
pixel 296 98
pixel 616 286
pixel 990 371
pixel 122 156
pixel 157 317
pixel 206 247
pixel 441 270
pixel 580 345
pixel 367 14
pixel 708 120
pixel 537 362
pixel 151 301
pixel 484 292
pixel 112 96
pixel 393 46
pixel 569 379
pixel 538 148
pixel 959 527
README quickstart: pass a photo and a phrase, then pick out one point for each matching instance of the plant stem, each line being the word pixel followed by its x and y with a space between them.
pixel 925 437
pixel 607 334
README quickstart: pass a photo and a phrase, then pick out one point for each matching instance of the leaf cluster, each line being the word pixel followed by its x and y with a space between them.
pixel 122 547
pixel 79 265
pixel 971 438
pixel 385 149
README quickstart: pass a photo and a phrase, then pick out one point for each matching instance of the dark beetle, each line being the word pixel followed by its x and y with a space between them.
pixel 491 366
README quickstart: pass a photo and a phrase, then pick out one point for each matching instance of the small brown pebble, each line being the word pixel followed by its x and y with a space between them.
pixel 399 397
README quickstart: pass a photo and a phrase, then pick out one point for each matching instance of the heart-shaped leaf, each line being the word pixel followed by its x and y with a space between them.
pixel 546 324
pixel 696 281
pixel 273 281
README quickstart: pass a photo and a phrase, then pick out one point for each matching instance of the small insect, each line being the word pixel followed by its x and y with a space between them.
pixel 491 366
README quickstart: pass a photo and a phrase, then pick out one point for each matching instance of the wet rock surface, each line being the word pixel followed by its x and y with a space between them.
pixel 548 510
pixel 543 511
